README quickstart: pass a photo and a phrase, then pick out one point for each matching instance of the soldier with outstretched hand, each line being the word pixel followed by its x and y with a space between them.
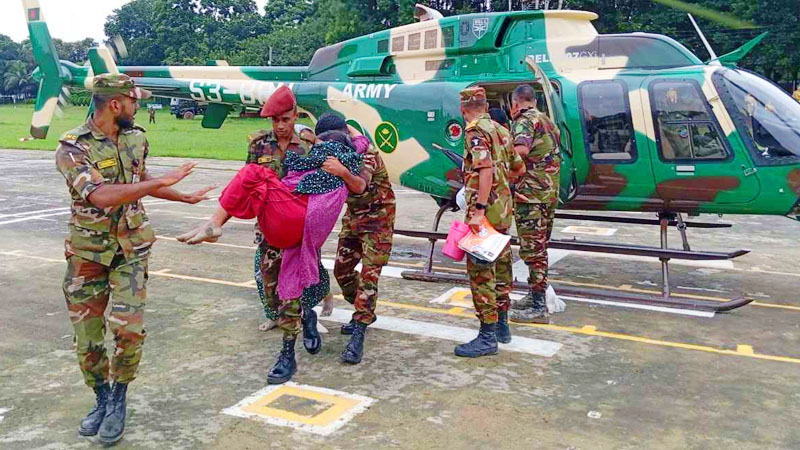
pixel 107 249
pixel 536 140
pixel 488 196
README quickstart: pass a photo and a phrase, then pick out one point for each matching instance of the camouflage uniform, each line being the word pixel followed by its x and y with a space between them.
pixel 484 147
pixel 107 250
pixel 505 274
pixel 536 195
pixel 265 151
pixel 366 237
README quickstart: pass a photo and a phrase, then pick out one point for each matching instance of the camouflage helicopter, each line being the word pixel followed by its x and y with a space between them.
pixel 646 125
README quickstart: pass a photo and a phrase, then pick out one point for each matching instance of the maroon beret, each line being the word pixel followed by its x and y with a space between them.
pixel 281 101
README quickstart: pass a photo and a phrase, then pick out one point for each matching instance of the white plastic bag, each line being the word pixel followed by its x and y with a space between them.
pixel 554 304
pixel 461 199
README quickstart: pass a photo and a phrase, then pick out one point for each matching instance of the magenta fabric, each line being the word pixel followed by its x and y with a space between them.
pixel 361 144
pixel 300 264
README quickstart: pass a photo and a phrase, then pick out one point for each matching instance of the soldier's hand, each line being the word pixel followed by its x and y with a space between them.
pixel 176 175
pixel 334 167
pixel 199 195
pixel 476 221
pixel 208 232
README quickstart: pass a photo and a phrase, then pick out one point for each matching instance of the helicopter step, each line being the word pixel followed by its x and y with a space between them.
pixel 663 253
pixel 597 294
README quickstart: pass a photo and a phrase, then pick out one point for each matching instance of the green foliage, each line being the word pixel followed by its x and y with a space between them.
pixel 167 137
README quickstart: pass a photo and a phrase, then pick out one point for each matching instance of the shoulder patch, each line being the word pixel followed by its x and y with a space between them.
pixel 258 134
pixel 71 137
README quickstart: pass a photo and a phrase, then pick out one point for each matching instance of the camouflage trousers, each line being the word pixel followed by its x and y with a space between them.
pixel 289 322
pixel 268 266
pixel 491 285
pixel 87 287
pixel 534 227
pixel 372 249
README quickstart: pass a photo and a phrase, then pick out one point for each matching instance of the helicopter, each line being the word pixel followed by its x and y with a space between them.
pixel 646 126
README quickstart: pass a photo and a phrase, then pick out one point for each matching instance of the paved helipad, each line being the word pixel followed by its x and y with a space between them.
pixel 602 376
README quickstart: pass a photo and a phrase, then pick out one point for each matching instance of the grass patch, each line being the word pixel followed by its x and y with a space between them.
pixel 168 136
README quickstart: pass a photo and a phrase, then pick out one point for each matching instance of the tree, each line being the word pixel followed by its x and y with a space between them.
pixel 17 78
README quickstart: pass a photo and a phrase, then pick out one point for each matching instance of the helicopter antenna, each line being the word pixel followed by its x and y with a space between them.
pixel 714 61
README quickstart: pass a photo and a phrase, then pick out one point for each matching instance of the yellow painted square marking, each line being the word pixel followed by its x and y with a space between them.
pixel 339 406
pixel 307 408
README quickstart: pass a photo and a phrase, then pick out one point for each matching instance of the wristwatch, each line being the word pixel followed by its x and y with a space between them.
pixel 480 206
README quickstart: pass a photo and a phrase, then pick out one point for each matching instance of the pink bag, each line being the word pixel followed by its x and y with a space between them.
pixel 457 231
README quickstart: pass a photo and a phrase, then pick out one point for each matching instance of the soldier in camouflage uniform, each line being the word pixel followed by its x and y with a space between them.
pixel 488 196
pixel 536 140
pixel 269 148
pixel 366 235
pixel 107 249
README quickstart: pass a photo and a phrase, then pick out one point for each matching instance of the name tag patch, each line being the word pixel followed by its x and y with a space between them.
pixel 266 159
pixel 106 163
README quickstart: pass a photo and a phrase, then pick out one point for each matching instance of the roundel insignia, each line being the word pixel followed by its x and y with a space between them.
pixel 386 137
pixel 454 132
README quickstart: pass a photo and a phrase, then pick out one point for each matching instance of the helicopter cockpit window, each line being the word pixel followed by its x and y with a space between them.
pixel 767 118
pixel 607 125
pixel 686 130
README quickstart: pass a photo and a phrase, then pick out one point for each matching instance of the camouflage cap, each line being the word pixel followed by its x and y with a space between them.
pixel 474 94
pixel 118 83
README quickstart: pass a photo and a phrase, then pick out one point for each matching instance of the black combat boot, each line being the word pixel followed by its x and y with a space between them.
pixel 91 423
pixel 536 312
pixel 113 426
pixel 503 332
pixel 348 327
pixel 484 344
pixel 286 365
pixel 355 348
pixel 312 341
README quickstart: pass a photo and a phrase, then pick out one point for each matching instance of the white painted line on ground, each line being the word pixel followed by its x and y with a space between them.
pixel 724 265
pixel 445 298
pixel 665 309
pixel 519 344
pixel 450 298
pixel 592 231
pixel 29 213
pixel 244 222
pixel 25 219
pixel 248 247
pixel 318 424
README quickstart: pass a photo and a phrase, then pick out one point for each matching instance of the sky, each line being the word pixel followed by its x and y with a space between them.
pixel 68 20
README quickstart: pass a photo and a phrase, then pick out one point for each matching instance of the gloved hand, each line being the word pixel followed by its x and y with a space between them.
pixel 207 232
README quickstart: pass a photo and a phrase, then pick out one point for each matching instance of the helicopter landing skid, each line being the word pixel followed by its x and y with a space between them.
pixel 663 253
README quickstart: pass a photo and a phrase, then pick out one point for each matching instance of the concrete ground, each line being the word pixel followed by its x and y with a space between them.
pixel 622 378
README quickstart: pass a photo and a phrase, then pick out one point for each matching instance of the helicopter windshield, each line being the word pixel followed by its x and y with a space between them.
pixel 767 118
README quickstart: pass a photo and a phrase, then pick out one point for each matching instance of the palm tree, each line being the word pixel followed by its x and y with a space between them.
pixel 16 77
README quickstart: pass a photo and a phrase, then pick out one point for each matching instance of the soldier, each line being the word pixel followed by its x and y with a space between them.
pixel 152 113
pixel 536 140
pixel 107 249
pixel 488 195
pixel 269 149
pixel 366 235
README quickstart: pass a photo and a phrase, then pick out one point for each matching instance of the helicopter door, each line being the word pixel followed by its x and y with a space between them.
pixel 693 162
pixel 569 182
